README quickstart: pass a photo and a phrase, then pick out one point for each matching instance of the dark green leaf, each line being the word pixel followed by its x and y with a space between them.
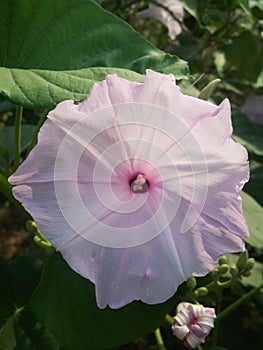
pixel 7 335
pixel 6 293
pixel 73 34
pixel 5 105
pixel 65 303
pixel 255 185
pixel 254 215
pixel 25 273
pixel 7 141
pixel 248 134
pixel 239 54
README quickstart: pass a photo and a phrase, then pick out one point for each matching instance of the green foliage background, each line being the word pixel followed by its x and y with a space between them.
pixel 52 51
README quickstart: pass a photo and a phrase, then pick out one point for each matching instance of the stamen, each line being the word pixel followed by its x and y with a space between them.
pixel 139 185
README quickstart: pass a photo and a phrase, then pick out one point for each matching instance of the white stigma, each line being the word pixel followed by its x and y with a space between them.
pixel 139 185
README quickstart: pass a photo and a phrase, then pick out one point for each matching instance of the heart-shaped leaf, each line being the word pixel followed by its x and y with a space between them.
pixel 73 34
pixel 43 39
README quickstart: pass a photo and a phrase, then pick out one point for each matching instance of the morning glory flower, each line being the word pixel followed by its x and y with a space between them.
pixel 137 187
pixel 193 323
pixel 164 16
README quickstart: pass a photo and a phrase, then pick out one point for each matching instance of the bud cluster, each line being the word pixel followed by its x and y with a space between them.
pixel 39 239
pixel 225 274
pixel 243 266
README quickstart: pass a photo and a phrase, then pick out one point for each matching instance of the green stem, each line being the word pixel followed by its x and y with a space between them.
pixel 159 339
pixel 36 131
pixel 17 136
pixel 215 332
pixel 238 302
pixel 224 284
pixel 169 319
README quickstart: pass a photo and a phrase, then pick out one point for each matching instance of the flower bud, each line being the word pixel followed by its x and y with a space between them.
pixel 250 263
pixel 193 323
pixel 222 260
pixel 223 269
pixel 31 226
pixel 191 283
pixel 242 260
pixel 216 273
pixel 234 270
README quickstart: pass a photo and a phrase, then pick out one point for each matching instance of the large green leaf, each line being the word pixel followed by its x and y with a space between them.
pixel 239 55
pixel 44 38
pixel 65 303
pixel 248 134
pixel 45 88
pixel 254 215
pixel 25 272
pixel 73 34
pixel 255 185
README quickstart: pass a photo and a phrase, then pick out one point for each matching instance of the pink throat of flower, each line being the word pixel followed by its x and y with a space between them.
pixel 139 185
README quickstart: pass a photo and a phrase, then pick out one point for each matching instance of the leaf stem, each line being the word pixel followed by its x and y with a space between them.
pixel 215 332
pixel 17 136
pixel 238 302
pixel 159 339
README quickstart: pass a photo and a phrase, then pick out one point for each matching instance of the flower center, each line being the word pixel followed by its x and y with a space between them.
pixel 139 184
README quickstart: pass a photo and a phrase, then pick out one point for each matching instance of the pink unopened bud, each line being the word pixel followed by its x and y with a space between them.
pixel 193 323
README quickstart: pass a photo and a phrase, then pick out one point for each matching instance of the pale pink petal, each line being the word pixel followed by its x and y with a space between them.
pixel 76 184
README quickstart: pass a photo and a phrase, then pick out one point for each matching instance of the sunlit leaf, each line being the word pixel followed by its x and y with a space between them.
pixel 45 88
pixel 73 34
